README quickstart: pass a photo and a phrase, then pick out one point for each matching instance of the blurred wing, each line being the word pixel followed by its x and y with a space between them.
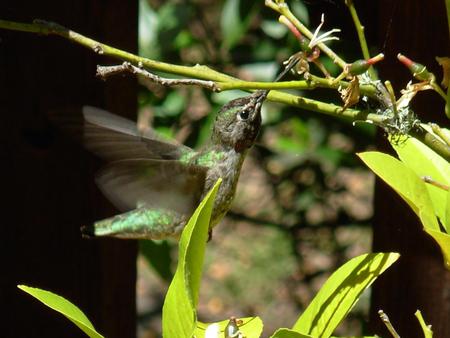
pixel 171 185
pixel 115 138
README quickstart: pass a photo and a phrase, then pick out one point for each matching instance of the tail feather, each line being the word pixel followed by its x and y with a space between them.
pixel 87 231
pixel 141 223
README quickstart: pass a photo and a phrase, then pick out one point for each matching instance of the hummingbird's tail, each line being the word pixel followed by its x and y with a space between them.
pixel 141 223
pixel 87 231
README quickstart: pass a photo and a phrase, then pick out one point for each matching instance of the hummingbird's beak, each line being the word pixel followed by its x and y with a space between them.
pixel 259 98
pixel 261 95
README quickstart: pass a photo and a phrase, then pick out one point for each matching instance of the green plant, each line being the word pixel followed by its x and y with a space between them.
pixel 330 306
pixel 421 177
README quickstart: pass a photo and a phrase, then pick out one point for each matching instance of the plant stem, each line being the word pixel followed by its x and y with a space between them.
pixel 385 319
pixel 438 90
pixel 361 36
pixel 431 141
pixel 224 81
pixel 198 71
pixel 447 5
pixel 51 28
pixel 126 67
pixel 326 108
pixel 312 83
pixel 427 333
pixel 283 9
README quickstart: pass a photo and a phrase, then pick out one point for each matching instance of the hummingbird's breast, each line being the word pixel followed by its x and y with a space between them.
pixel 228 169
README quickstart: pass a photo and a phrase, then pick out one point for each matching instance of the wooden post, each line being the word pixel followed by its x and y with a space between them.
pixel 419 280
pixel 48 184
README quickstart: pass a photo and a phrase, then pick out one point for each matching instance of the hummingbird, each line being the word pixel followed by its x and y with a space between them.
pixel 157 183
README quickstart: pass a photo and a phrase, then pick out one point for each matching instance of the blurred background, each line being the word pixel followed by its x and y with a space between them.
pixel 304 201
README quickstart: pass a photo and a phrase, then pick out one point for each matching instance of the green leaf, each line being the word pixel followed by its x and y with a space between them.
pixel 251 327
pixel 173 105
pixel 444 243
pixel 231 25
pixel 287 333
pixel 446 223
pixel 179 316
pixel 341 292
pixel 234 26
pixel 148 23
pixel 273 29
pixel 63 306
pixel 405 182
pixel 425 162
pixel 300 11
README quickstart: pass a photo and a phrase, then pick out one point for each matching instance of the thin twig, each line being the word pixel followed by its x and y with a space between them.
pixel 127 67
pixel 430 180
pixel 361 36
pixel 283 9
pixel 427 332
pixel 385 319
pixel 439 132
pixel 431 141
pixel 206 73
pixel 197 71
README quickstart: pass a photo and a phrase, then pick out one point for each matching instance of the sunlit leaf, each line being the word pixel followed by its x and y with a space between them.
pixel 446 223
pixel 444 243
pixel 63 306
pixel 341 292
pixel 251 327
pixel 179 315
pixel 287 333
pixel 425 162
pixel 405 182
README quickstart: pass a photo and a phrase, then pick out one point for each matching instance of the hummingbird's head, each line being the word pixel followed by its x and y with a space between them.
pixel 239 121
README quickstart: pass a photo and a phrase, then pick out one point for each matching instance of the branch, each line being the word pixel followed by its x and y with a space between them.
pixel 282 8
pixel 224 81
pixel 197 71
pixel 385 319
pixel 431 141
pixel 126 67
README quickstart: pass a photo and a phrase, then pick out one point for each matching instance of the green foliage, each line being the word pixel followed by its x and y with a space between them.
pixel 335 299
pixel 63 306
pixel 251 327
pixel 429 202
pixel 425 162
pixel 341 292
pixel 287 333
pixel 233 24
pixel 179 315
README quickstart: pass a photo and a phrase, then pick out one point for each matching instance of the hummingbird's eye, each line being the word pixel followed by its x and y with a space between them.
pixel 244 114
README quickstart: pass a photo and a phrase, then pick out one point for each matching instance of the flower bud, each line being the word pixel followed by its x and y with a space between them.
pixel 418 70
pixel 360 66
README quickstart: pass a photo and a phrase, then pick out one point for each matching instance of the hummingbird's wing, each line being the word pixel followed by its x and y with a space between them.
pixel 154 184
pixel 113 138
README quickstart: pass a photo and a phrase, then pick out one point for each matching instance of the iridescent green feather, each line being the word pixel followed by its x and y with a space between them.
pixel 140 223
